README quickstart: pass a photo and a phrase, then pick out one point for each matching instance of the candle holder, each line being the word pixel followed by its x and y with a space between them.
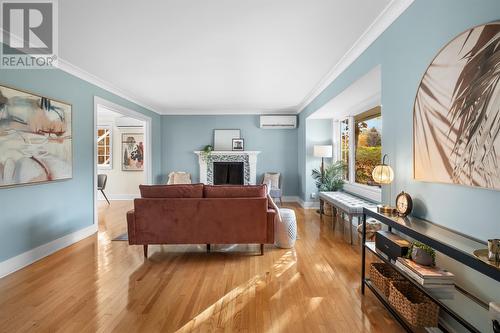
pixel 494 250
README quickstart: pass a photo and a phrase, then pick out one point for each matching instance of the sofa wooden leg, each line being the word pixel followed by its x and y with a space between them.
pixel 145 251
pixel 261 249
pixel 208 248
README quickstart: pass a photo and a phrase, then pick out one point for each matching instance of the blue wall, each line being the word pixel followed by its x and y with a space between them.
pixel 404 51
pixel 181 135
pixel 318 132
pixel 37 214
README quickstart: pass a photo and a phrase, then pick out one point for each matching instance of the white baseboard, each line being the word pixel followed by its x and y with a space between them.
pixel 308 204
pixel 24 259
pixel 290 198
pixel 112 197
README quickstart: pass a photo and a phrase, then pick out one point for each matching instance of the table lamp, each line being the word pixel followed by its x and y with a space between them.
pixel 383 175
pixel 323 151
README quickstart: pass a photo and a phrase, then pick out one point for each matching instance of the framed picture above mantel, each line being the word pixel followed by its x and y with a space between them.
pixel 223 138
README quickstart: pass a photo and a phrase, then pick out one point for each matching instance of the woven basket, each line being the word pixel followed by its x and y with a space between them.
pixel 381 275
pixel 413 305
pixel 327 209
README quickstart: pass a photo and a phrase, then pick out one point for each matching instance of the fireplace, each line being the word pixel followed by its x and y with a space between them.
pixel 232 173
pixel 247 158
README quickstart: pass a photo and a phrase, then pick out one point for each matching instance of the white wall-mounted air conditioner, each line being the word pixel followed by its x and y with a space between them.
pixel 278 122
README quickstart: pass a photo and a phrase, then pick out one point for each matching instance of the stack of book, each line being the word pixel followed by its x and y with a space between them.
pixel 439 282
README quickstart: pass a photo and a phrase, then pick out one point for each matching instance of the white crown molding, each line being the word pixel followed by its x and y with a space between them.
pixel 390 13
pixel 227 110
pixel 69 68
pixel 24 259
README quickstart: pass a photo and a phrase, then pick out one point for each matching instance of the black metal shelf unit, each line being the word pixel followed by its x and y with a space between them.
pixel 467 310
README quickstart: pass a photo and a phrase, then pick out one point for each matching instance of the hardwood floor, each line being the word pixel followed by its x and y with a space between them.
pixel 105 286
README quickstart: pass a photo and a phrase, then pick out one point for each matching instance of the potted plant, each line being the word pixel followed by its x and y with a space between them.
pixel 205 153
pixel 422 254
pixel 330 180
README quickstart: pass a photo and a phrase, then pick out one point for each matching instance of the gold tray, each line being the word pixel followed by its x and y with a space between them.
pixel 483 255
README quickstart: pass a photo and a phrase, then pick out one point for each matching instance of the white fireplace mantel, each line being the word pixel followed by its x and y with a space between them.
pixel 252 163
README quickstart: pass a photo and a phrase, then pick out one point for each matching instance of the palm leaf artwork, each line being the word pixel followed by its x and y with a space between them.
pixel 457 112
pixel 332 178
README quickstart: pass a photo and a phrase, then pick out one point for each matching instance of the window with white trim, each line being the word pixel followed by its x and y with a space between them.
pixel 361 150
pixel 104 147
pixel 368 145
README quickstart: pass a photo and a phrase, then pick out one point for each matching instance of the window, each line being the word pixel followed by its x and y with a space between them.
pixel 344 146
pixel 361 150
pixel 368 143
pixel 104 148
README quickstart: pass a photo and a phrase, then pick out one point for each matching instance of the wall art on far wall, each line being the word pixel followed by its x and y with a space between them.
pixel 457 112
pixel 35 138
pixel 133 152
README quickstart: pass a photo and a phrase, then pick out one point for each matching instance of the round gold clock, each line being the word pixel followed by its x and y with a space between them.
pixel 404 204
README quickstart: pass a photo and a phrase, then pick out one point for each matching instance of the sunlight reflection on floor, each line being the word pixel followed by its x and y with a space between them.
pixel 232 303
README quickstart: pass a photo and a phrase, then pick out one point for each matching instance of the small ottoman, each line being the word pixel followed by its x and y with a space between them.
pixel 285 232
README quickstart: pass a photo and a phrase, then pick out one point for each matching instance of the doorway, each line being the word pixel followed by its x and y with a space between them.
pixel 122 153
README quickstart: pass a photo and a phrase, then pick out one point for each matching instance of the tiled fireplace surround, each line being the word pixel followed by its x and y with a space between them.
pixel 249 158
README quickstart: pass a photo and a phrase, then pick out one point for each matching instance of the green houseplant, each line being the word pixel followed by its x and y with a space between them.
pixel 205 153
pixel 422 254
pixel 331 179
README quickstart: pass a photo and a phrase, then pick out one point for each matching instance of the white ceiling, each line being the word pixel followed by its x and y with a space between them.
pixel 362 95
pixel 217 56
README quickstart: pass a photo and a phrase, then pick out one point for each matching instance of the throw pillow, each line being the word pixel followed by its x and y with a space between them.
pixel 273 179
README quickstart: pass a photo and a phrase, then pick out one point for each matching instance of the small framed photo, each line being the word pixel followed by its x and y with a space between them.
pixel 238 144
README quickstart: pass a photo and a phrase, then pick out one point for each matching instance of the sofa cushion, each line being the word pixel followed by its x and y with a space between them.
pixel 234 191
pixel 172 191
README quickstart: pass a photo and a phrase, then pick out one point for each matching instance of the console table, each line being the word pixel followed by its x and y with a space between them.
pixel 467 310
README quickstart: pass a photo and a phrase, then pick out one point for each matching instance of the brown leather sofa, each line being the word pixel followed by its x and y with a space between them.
pixel 201 214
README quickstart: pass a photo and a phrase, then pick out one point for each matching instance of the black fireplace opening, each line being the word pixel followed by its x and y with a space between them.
pixel 229 173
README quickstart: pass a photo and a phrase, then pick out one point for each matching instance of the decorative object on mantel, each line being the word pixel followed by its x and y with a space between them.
pixel 383 175
pixel 238 144
pixel 404 204
pixel 35 138
pixel 456 136
pixel 422 254
pixel 223 139
pixel 207 150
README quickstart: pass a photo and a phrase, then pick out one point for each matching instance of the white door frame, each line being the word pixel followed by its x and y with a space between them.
pixel 98 101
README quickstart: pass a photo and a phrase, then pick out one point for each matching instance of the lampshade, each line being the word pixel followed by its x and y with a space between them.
pixel 323 151
pixel 383 173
